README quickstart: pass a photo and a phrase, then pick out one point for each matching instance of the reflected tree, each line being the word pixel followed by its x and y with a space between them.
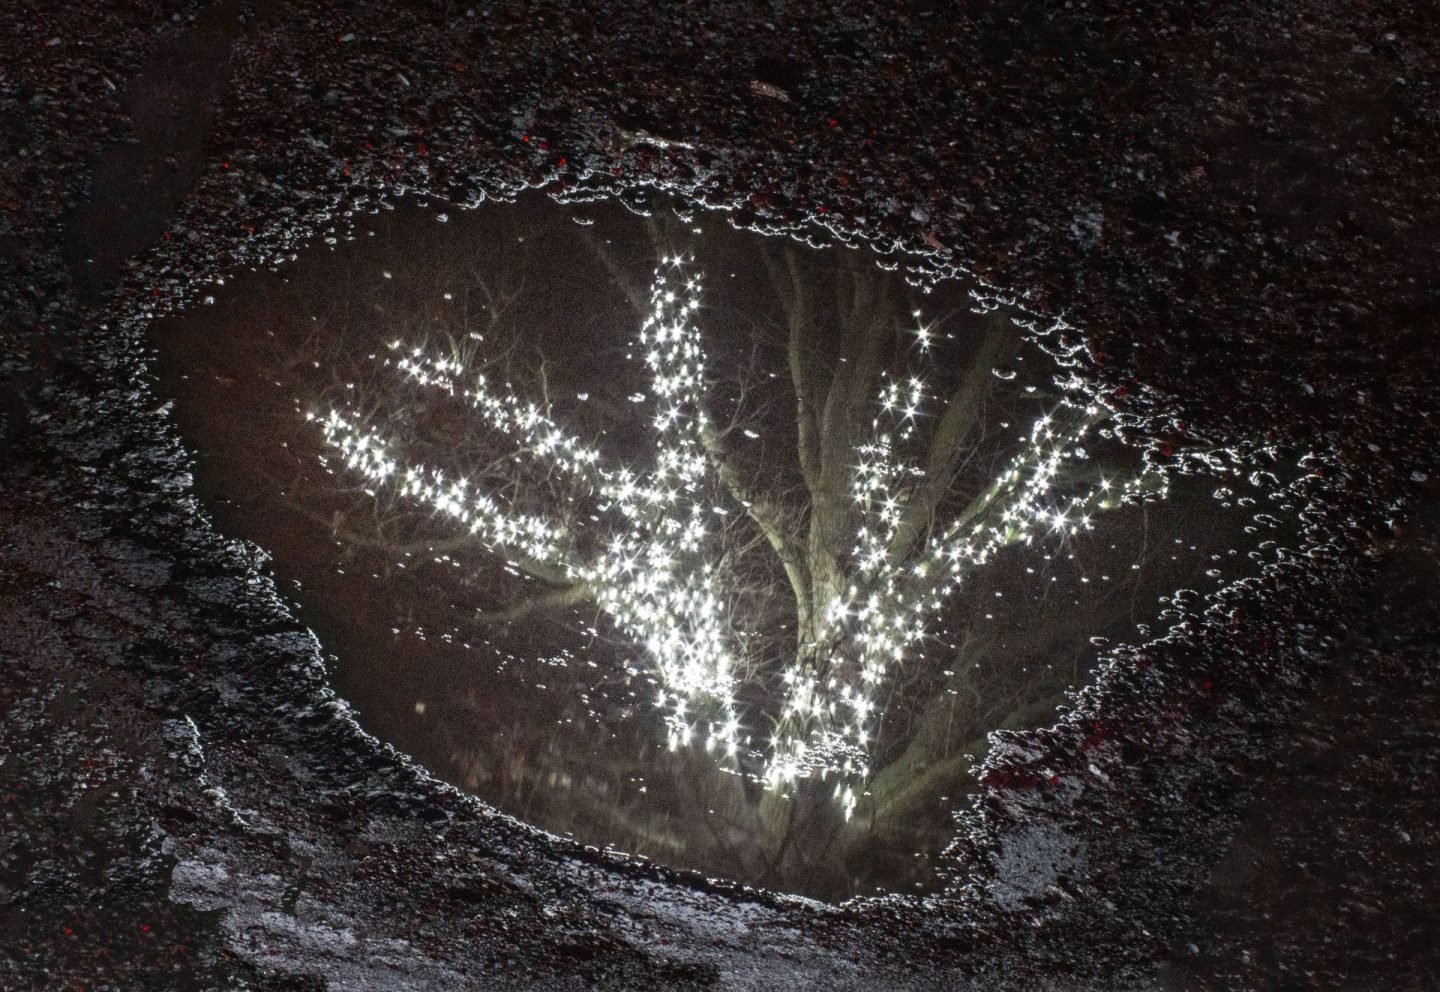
pixel 785 531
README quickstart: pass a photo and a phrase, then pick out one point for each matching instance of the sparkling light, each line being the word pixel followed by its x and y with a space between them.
pixel 654 563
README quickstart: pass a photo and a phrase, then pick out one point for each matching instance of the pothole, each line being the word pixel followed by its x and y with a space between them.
pixel 738 586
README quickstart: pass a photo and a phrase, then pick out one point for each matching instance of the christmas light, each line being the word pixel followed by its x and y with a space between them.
pixel 652 555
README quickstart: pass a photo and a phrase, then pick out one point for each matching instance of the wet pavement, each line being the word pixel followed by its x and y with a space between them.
pixel 543 715
pixel 1232 210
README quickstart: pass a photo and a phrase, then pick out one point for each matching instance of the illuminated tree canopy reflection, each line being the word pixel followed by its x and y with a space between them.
pixel 870 549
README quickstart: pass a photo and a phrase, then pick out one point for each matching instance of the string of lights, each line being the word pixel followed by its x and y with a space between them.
pixel 655 564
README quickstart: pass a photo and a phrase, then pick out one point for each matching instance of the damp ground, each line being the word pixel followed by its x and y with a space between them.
pixel 551 715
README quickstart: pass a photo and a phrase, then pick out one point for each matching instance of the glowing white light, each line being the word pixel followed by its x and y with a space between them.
pixel 657 569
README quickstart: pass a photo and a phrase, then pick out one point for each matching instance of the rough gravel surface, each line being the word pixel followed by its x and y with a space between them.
pixel 1232 209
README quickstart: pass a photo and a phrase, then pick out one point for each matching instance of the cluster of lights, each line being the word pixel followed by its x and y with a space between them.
pixel 653 574
pixel 897 592
pixel 655 570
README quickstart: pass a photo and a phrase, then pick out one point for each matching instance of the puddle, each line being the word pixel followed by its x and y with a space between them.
pixel 637 660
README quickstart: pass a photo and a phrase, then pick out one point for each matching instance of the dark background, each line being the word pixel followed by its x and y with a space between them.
pixel 1236 209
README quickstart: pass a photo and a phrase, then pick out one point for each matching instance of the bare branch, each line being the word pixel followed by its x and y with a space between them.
pixel 766 515
pixel 961 414
pixel 790 287
pixel 553 599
